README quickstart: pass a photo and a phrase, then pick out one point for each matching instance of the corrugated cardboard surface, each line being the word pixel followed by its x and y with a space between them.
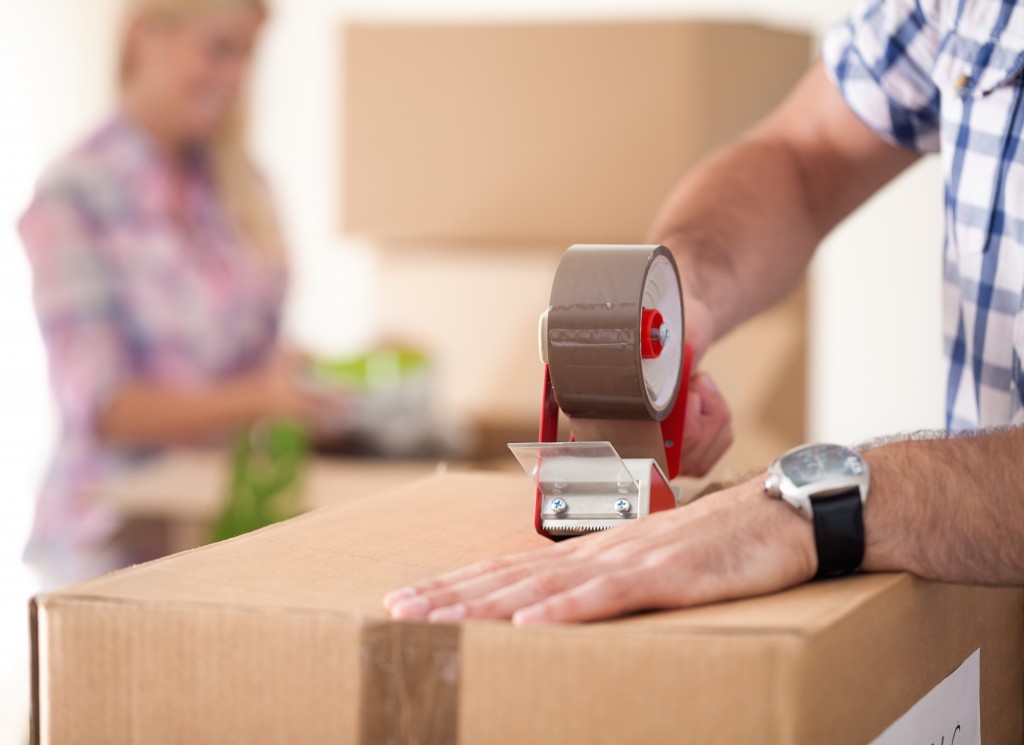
pixel 278 637
pixel 550 133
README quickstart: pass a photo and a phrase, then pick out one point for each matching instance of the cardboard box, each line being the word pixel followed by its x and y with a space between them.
pixel 279 637
pixel 550 133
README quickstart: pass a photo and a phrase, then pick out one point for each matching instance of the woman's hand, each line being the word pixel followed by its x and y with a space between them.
pixel 279 391
pixel 731 544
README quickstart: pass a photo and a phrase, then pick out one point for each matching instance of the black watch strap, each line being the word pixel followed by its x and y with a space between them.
pixel 838 532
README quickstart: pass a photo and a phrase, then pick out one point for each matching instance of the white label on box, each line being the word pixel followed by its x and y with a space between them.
pixel 949 714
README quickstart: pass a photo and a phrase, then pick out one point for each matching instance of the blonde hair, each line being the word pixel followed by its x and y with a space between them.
pixel 238 183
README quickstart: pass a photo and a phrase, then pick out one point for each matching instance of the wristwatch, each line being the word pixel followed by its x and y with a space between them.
pixel 828 485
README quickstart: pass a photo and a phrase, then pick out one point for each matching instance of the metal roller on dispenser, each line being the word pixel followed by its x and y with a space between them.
pixel 616 364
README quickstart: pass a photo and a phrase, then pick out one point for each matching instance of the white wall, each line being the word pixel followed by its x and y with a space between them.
pixel 51 87
pixel 45 101
pixel 876 350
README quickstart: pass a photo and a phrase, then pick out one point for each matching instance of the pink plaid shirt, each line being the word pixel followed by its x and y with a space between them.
pixel 123 291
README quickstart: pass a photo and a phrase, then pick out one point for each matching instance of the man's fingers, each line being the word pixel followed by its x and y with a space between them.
pixel 702 459
pixel 713 405
pixel 462 582
pixel 496 590
pixel 445 580
pixel 465 591
pixel 503 589
pixel 692 424
pixel 528 591
pixel 715 451
pixel 486 566
pixel 708 431
pixel 468 585
pixel 600 597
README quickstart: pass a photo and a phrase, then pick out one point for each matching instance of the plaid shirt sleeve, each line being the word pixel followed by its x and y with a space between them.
pixel 880 60
pixel 74 293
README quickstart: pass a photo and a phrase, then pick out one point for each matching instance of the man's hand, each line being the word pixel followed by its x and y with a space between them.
pixel 707 432
pixel 708 427
pixel 731 544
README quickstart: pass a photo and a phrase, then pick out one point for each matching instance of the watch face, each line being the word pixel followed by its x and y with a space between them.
pixel 820 462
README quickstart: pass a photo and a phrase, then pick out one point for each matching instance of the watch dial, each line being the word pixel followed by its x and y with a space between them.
pixel 820 462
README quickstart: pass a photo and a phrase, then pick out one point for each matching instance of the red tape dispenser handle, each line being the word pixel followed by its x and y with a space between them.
pixel 548 433
pixel 673 425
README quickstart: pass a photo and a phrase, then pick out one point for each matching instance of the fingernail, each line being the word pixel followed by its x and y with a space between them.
pixel 415 608
pixel 527 616
pixel 709 383
pixel 451 614
pixel 393 597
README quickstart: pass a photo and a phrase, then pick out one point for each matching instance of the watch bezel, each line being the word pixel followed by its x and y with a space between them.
pixel 777 484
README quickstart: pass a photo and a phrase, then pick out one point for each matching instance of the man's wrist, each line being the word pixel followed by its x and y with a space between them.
pixel 784 523
pixel 884 550
pixel 798 532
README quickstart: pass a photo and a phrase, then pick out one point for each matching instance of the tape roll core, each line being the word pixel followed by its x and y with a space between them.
pixel 594 327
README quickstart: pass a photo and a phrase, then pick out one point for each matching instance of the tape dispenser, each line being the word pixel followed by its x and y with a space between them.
pixel 616 364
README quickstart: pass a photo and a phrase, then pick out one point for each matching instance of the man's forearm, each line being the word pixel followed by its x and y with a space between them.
pixel 741 229
pixel 950 509
pixel 745 222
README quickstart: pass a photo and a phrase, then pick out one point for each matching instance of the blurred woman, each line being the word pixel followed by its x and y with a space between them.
pixel 159 275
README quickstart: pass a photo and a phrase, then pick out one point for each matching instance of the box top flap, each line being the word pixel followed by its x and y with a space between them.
pixel 342 560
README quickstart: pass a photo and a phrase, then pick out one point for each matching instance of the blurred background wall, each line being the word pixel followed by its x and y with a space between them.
pixel 874 351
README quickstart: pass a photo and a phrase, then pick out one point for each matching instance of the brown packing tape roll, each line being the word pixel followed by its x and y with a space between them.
pixel 599 376
pixel 631 438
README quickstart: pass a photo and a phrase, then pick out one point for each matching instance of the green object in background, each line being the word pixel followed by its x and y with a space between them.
pixel 266 476
pixel 380 368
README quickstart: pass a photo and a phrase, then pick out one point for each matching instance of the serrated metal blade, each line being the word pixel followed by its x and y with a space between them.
pixel 568 526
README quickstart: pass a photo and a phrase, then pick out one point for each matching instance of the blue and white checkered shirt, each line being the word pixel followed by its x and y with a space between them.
pixel 946 76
